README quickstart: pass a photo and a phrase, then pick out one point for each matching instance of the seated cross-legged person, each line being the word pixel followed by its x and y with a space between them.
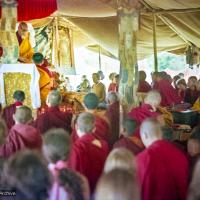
pixel 8 111
pixel 21 135
pixel 88 153
pixel 162 168
pixel 128 139
pixel 102 130
pixel 53 117
pixel 56 149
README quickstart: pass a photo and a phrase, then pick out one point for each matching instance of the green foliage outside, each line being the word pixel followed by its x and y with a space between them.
pixel 168 61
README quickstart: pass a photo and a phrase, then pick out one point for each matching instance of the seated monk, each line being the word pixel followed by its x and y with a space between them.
pixel 191 93
pixel 102 124
pixel 8 111
pixel 147 109
pixel 21 135
pixel 53 117
pixel 162 168
pixel 25 49
pixel 56 149
pixel 88 153
pixel 168 94
pixel 113 115
pixel 45 81
pixel 127 139
pixel 98 87
pixel 143 86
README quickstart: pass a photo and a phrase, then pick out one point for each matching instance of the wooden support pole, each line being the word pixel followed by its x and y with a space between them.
pixel 99 57
pixel 155 44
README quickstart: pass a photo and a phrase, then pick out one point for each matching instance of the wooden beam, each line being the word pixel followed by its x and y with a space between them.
pixel 155 44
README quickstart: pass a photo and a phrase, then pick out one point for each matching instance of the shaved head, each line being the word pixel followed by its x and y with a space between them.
pixel 153 98
pixel 150 131
pixel 23 115
pixel 54 98
pixel 85 123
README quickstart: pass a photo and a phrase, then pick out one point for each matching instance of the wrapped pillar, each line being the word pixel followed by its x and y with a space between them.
pixel 8 38
pixel 128 16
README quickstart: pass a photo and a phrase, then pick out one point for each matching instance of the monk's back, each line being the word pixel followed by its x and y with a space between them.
pixel 88 157
pixel 53 118
pixel 163 172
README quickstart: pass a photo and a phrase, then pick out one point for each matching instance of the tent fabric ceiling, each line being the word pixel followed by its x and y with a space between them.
pixel 96 23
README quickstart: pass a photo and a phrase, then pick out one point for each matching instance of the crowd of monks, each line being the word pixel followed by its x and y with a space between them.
pixel 97 154
pixel 104 152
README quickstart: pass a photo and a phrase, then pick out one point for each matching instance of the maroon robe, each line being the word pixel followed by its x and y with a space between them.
pixel 113 87
pixel 142 112
pixel 8 113
pixel 113 115
pixel 168 94
pixel 144 86
pixel 21 136
pixel 191 96
pixel 133 144
pixel 102 130
pixel 88 156
pixel 53 118
pixel 162 172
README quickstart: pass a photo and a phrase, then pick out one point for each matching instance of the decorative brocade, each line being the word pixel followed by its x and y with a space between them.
pixel 17 81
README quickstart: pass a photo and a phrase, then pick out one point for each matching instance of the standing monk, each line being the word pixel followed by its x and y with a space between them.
pixel 53 117
pixel 25 49
pixel 45 81
pixel 143 86
pixel 162 167
pixel 98 87
pixel 88 153
pixel 22 135
pixel 113 115
pixel 8 111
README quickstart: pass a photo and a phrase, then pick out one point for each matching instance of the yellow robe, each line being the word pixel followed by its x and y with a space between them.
pixel 196 105
pixel 25 49
pixel 45 84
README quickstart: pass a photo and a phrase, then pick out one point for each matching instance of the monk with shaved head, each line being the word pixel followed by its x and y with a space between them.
pixel 162 168
pixel 22 135
pixel 88 153
pixel 53 117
